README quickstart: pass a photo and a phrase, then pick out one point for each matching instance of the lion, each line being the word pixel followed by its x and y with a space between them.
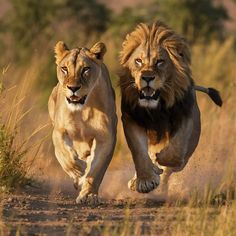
pixel 83 112
pixel 160 114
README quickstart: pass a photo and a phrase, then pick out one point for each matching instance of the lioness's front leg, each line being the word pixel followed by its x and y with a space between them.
pixel 147 174
pixel 67 156
pixel 97 163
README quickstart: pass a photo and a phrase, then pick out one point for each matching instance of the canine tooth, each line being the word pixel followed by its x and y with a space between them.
pixel 153 93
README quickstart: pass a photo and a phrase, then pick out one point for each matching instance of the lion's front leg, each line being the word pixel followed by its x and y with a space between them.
pixel 180 147
pixel 67 156
pixel 97 164
pixel 147 174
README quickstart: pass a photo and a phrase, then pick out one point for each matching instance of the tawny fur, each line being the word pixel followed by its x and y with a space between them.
pixel 84 135
pixel 160 133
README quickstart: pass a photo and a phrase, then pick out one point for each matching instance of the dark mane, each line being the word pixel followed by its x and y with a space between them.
pixel 176 94
pixel 161 119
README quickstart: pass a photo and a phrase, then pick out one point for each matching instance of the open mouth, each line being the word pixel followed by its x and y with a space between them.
pixel 149 94
pixel 76 100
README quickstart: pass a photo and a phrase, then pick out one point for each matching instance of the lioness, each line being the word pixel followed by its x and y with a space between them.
pixel 83 112
pixel 160 114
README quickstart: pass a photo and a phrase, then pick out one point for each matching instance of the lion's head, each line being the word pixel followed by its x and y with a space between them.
pixel 156 66
pixel 77 71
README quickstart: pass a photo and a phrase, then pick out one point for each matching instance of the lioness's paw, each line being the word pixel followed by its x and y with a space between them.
pixel 144 185
pixel 89 199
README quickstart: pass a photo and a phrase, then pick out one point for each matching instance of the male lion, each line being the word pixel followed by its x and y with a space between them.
pixel 160 114
pixel 83 112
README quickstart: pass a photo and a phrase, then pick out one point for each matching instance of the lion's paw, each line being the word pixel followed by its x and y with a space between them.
pixel 89 199
pixel 144 185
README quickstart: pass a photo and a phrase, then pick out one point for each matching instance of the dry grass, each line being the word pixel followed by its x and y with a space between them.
pixel 17 147
pixel 208 182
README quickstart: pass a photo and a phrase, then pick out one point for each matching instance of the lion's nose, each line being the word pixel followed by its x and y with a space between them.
pixel 74 89
pixel 148 78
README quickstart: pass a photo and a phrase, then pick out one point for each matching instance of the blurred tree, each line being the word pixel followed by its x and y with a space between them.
pixel 91 16
pixel 124 22
pixel 196 19
pixel 28 20
pixel 35 23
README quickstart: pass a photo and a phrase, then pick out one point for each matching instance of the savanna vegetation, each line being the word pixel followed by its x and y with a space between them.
pixel 204 193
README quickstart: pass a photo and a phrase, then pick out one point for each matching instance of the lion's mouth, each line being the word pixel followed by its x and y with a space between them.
pixel 76 100
pixel 149 94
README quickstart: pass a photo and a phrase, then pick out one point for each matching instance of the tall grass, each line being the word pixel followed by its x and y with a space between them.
pixel 14 145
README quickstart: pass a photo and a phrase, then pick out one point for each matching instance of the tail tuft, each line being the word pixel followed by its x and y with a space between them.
pixel 215 96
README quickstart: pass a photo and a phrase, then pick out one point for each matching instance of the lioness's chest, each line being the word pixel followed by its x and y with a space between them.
pixel 86 124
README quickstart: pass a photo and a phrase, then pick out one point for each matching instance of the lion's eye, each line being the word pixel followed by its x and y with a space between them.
pixel 85 71
pixel 64 70
pixel 138 62
pixel 160 63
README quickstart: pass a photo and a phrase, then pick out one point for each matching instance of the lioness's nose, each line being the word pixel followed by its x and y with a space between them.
pixel 73 89
pixel 148 78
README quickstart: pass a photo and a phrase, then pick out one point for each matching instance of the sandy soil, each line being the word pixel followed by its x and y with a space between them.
pixel 50 209
pixel 39 212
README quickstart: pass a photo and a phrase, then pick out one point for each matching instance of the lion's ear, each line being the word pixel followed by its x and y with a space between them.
pixel 60 51
pixel 98 49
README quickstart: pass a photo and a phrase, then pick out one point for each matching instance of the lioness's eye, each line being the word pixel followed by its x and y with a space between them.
pixel 138 62
pixel 85 71
pixel 159 63
pixel 64 70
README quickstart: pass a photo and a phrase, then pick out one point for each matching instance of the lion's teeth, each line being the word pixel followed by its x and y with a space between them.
pixel 153 94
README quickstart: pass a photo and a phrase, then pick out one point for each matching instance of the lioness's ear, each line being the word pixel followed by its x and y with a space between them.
pixel 98 49
pixel 60 51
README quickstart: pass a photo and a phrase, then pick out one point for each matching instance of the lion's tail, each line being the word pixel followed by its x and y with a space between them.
pixel 213 94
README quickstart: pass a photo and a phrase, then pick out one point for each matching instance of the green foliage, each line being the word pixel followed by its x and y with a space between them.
pixel 124 22
pixel 28 20
pixel 30 24
pixel 91 16
pixel 12 166
pixel 197 20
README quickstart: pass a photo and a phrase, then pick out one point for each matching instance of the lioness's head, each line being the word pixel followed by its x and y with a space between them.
pixel 77 71
pixel 156 65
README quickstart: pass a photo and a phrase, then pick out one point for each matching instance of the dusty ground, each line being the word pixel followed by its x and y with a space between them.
pixel 38 212
pixel 50 209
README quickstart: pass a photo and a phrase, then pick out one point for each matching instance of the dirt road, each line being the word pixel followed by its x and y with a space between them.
pixel 38 213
